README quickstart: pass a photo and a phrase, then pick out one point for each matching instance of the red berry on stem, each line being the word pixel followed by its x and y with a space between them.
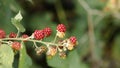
pixel 12 35
pixel 25 36
pixel 2 34
pixel 73 39
pixel 39 34
pixel 61 28
pixel 16 45
pixel 47 31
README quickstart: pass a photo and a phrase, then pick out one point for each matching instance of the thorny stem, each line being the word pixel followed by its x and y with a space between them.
pixel 31 40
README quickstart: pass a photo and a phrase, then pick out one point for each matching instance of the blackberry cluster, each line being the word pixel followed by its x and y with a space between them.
pixel 56 46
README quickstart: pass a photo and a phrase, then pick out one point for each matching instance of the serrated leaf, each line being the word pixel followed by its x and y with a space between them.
pixel 6 56
pixel 16 21
pixel 24 61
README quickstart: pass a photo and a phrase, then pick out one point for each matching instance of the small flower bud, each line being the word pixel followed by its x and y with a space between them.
pixel 62 55
pixel 60 34
pixel 52 50
pixel 60 48
pixel 70 46
pixel 40 50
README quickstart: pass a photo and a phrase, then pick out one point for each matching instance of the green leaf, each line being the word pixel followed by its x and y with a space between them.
pixel 16 21
pixel 116 48
pixel 24 61
pixel 7 9
pixel 18 17
pixel 72 61
pixel 57 62
pixel 6 56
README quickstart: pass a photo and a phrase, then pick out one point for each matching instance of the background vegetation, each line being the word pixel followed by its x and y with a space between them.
pixel 95 23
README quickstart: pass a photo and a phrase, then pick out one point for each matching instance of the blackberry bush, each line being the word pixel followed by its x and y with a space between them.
pixel 58 45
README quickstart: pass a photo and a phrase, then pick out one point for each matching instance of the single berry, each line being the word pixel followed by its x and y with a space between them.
pixel 61 28
pixel 2 34
pixel 12 35
pixel 39 34
pixel 25 36
pixel 73 39
pixel 16 45
pixel 47 31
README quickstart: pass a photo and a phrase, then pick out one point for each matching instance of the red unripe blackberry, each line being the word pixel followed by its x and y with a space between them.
pixel 12 35
pixel 16 45
pixel 61 28
pixel 2 34
pixel 39 34
pixel 73 39
pixel 25 36
pixel 47 31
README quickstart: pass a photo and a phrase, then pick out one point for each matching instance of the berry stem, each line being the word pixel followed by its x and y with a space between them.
pixel 31 40
pixel 35 44
pixel 4 41
pixel 55 38
pixel 18 34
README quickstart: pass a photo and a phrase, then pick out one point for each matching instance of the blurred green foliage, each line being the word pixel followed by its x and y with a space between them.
pixel 38 14
pixel 24 60
pixel 6 56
